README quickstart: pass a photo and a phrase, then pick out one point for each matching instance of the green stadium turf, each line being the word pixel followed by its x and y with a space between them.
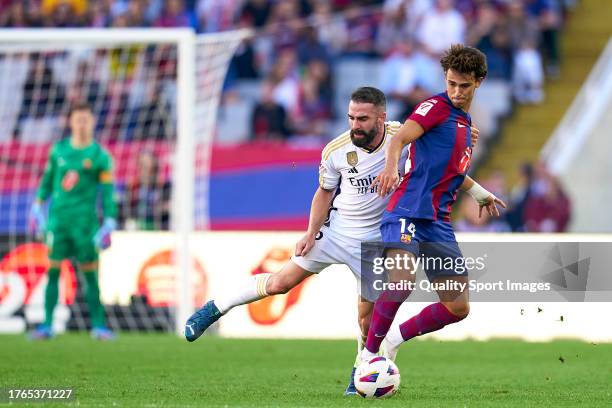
pixel 163 371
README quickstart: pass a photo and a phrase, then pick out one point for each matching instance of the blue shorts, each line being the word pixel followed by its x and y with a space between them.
pixel 433 240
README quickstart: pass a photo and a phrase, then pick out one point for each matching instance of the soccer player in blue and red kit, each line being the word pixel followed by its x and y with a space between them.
pixel 416 222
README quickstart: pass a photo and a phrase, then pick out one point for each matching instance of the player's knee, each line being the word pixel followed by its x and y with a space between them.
pixel 459 309
pixel 277 285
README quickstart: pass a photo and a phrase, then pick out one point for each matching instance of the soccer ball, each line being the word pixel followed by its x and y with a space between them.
pixel 377 378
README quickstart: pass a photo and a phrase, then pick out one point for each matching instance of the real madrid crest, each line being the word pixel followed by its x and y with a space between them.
pixel 351 158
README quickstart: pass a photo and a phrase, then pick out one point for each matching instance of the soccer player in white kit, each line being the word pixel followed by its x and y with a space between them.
pixel 345 212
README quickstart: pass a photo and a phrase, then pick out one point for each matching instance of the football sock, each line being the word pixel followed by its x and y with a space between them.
pixel 249 291
pixel 51 294
pixel 92 295
pixel 361 339
pixel 394 336
pixel 431 318
pixel 385 309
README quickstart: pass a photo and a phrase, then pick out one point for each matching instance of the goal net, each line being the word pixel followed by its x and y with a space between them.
pixel 154 94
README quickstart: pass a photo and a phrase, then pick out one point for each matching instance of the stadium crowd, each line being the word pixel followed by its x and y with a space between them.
pixel 293 62
pixel 300 40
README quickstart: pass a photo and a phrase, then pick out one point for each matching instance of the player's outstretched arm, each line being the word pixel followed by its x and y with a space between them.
pixel 484 198
pixel 318 214
pixel 388 180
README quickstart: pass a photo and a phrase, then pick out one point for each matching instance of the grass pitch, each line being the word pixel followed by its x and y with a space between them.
pixel 150 370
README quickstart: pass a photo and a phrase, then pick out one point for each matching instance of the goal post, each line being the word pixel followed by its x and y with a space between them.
pixel 130 123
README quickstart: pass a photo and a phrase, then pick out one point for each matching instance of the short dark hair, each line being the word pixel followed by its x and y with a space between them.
pixel 369 94
pixel 80 106
pixel 465 60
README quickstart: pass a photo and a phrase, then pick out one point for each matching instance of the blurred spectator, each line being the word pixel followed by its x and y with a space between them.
pixel 151 120
pixel 548 208
pixel 521 27
pixel 393 29
pixel 489 33
pixel 244 61
pixel 284 26
pixel 548 15
pixel 147 199
pixel 430 76
pixel 256 12
pixel 64 15
pixel 14 15
pixel 99 15
pixel 269 118
pixel 284 76
pixel 309 48
pixel 113 111
pixel 174 14
pixel 441 28
pixel 314 102
pixel 518 198
pixel 136 14
pixel 331 30
pixel 412 11
pixel 217 15
pixel 528 78
pixel 43 95
pixel 399 77
pixel 320 71
pixel 34 15
pixel 362 26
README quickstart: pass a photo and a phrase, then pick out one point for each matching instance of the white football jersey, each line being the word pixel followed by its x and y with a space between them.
pixel 357 209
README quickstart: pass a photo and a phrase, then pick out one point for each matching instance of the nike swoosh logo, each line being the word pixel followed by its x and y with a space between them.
pixel 379 336
pixel 460 125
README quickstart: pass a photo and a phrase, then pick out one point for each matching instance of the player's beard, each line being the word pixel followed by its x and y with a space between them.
pixel 365 138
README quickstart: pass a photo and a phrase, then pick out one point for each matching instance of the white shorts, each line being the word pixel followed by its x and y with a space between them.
pixel 333 248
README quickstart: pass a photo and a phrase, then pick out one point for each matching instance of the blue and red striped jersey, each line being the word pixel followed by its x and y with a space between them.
pixel 440 160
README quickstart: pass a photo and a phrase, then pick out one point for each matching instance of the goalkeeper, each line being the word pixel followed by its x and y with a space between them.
pixel 78 169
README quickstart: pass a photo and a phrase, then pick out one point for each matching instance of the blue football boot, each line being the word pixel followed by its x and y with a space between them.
pixel 201 320
pixel 41 332
pixel 103 333
pixel 351 390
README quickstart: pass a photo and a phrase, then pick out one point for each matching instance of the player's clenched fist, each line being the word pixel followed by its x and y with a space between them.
pixel 386 181
pixel 304 245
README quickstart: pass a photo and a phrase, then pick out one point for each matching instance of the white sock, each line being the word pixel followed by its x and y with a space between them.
pixel 392 341
pixel 394 335
pixel 360 346
pixel 366 354
pixel 249 291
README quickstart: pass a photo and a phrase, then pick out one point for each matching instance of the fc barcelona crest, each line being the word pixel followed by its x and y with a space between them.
pixel 351 158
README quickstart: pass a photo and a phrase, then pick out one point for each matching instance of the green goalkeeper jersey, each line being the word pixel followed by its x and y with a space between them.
pixel 72 179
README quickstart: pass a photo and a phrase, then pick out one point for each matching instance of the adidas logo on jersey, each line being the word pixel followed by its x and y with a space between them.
pixel 353 170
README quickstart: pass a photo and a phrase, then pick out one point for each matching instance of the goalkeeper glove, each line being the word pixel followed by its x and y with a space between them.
pixel 37 222
pixel 102 239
